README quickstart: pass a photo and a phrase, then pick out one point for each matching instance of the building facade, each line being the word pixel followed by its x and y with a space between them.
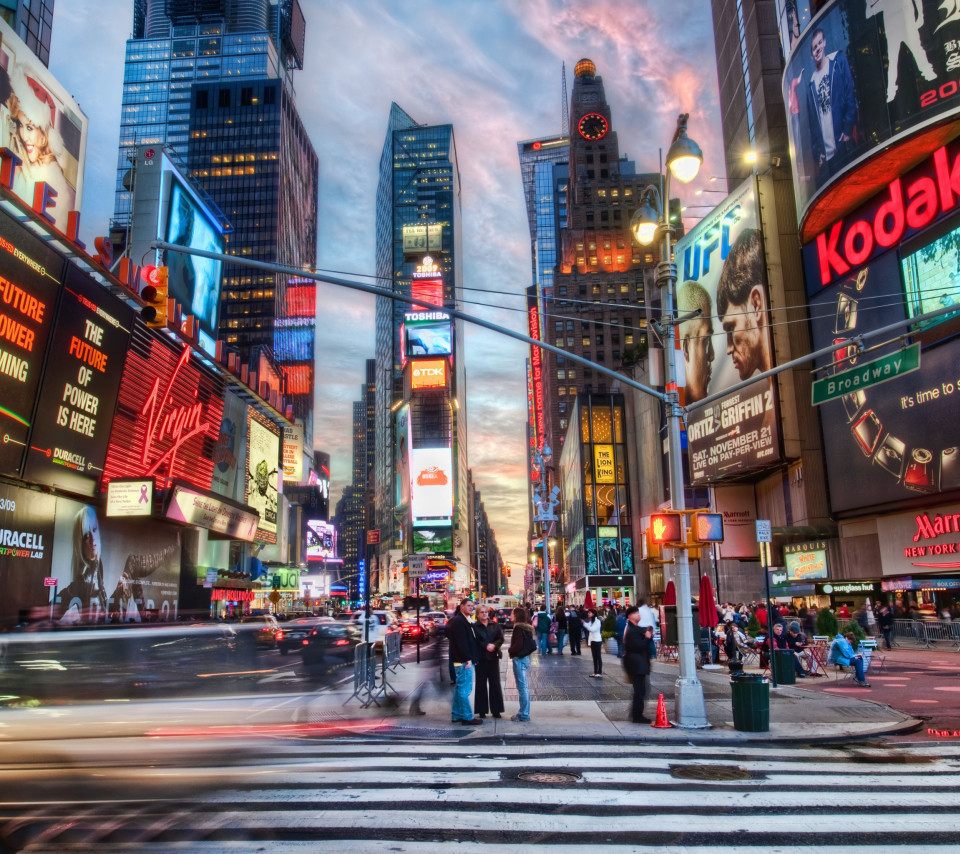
pixel 33 22
pixel 419 253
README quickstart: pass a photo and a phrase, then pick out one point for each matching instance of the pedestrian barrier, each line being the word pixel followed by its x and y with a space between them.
pixel 391 652
pixel 926 633
pixel 364 676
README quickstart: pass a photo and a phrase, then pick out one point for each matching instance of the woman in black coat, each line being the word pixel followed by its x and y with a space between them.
pixel 488 697
pixel 636 661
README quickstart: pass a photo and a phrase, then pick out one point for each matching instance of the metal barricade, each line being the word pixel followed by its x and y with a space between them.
pixel 364 675
pixel 391 651
pixel 926 633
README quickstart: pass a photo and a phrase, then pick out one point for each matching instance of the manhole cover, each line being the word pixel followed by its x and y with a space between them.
pixel 548 777
pixel 710 773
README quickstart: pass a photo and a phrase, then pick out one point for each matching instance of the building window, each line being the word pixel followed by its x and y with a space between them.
pixel 224 101
pixel 589 216
pixel 604 216
pixel 599 340
pixel 573 390
pixel 561 407
pixel 561 375
pixel 590 175
pixel 562 390
pixel 201 99
pixel 586 341
pixel 270 95
pixel 246 96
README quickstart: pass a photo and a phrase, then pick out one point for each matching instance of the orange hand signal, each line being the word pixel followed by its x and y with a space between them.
pixel 659 529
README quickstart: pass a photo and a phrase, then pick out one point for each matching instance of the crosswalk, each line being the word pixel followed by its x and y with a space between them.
pixel 424 798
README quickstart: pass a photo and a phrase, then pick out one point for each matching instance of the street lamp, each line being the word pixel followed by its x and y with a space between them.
pixel 650 220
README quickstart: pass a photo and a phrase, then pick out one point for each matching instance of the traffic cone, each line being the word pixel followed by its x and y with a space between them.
pixel 661 722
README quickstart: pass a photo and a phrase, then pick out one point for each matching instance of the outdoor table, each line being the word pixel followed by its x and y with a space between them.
pixel 818 658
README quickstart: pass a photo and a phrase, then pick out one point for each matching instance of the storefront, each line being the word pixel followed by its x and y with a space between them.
pixel 930 596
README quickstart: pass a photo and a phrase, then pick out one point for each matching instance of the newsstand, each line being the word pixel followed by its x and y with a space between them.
pixel 750 694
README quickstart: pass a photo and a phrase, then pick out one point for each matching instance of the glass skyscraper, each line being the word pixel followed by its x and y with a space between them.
pixel 32 20
pixel 419 185
pixel 545 193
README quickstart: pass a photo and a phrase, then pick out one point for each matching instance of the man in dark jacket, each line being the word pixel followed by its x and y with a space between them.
pixel 885 624
pixel 465 655
pixel 636 660
pixel 575 627
pixel 831 107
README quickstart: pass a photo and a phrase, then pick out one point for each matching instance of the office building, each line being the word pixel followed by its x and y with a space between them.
pixel 33 22
pixel 419 353
pixel 350 534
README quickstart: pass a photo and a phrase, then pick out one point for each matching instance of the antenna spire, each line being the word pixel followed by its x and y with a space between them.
pixel 565 127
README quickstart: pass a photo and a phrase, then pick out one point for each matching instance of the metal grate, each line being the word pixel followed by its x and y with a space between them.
pixel 548 777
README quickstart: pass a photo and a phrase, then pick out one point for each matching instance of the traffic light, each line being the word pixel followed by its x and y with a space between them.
pixel 707 527
pixel 666 528
pixel 154 294
pixel 654 550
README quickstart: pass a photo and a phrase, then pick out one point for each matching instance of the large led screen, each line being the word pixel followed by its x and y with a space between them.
pixel 431 483
pixel 433 540
pixel 194 282
pixel 263 473
pixel 321 540
pixel 899 439
pixel 864 73
pixel 43 127
pixel 429 338
pixel 723 274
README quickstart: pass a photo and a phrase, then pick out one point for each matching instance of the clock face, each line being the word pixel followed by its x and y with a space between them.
pixel 593 126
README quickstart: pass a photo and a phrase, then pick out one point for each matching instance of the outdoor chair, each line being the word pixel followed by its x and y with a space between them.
pixel 871 655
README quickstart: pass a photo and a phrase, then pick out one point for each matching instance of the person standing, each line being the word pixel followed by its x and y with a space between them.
pixel 488 697
pixel 636 661
pixel 560 618
pixel 575 627
pixel 543 631
pixel 522 645
pixel 621 624
pixel 592 627
pixel 885 624
pixel 464 655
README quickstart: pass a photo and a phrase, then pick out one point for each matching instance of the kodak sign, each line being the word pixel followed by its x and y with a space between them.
pixel 912 202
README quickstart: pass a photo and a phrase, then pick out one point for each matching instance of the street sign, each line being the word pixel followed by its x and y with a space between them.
pixel 50 581
pixel 274 596
pixel 416 567
pixel 881 370
pixel 764 531
pixel 373 537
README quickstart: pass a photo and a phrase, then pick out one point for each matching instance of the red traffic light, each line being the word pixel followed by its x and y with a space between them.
pixel 707 527
pixel 666 528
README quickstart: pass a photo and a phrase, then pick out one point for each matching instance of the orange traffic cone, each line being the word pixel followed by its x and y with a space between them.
pixel 661 722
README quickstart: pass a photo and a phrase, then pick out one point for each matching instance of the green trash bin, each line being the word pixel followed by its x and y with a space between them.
pixel 750 694
pixel 786 672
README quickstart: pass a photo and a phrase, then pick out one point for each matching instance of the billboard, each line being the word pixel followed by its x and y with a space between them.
pixel 433 540
pixel 30 274
pixel 429 290
pixel 321 540
pixel 428 373
pixel 865 74
pixel 292 453
pixel 194 282
pixel 723 271
pixel 26 550
pixel 231 445
pixel 900 439
pixel 86 355
pixel 431 483
pixel 428 333
pixel 263 464
pixel 806 561
pixel 608 555
pixel 402 455
pixel 43 127
pixel 422 238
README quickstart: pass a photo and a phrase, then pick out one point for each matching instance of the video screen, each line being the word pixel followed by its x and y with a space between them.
pixel 931 280
pixel 321 540
pixel 194 282
pixel 430 339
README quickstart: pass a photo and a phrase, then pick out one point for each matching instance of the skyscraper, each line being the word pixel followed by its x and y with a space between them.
pixel 33 22
pixel 545 212
pixel 418 212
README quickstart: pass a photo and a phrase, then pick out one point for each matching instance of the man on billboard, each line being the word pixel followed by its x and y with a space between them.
pixel 831 105
pixel 696 337
pixel 902 20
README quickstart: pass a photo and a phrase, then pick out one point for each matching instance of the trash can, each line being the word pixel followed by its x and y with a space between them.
pixel 786 672
pixel 750 694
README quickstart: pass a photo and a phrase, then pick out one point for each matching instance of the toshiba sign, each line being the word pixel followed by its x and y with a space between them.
pixel 428 373
pixel 912 202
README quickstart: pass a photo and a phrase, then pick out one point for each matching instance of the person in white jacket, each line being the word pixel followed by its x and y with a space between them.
pixel 592 627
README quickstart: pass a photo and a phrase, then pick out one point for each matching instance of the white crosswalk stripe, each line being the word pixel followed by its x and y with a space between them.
pixel 385 798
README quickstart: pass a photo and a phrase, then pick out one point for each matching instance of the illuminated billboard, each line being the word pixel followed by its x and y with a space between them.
pixel 422 238
pixel 724 275
pixel 433 540
pixel 428 290
pixel 428 333
pixel 431 483
pixel 321 540
pixel 263 473
pixel 536 368
pixel 806 561
pixel 428 373
pixel 44 128
pixel 402 456
pixel 864 75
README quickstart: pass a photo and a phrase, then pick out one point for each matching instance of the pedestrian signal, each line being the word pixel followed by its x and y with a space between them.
pixel 654 550
pixel 154 294
pixel 666 528
pixel 707 527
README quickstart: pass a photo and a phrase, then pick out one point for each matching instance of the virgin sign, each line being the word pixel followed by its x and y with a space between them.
pixel 168 415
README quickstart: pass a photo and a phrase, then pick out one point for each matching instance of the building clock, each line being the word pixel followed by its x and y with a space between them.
pixel 593 126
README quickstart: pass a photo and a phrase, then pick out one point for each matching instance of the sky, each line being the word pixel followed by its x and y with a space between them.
pixel 492 69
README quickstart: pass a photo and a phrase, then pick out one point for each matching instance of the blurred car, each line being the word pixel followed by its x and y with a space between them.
pixel 382 623
pixel 264 628
pixel 328 644
pixel 290 636
pixel 412 631
pixel 345 616
pixel 505 618
pixel 438 620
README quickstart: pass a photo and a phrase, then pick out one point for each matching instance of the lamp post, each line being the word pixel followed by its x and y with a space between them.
pixel 652 220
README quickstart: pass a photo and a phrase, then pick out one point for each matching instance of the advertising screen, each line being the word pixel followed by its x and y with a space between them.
pixel 231 445
pixel 321 540
pixel 78 397
pixel 293 453
pixel 263 465
pixel 42 126
pixel 723 273
pixel 113 570
pixel 609 556
pixel 29 282
pixel 429 290
pixel 428 373
pixel 428 338
pixel 806 561
pixel 898 439
pixel 26 550
pixel 194 282
pixel 433 540
pixel 402 455
pixel 863 74
pixel 431 483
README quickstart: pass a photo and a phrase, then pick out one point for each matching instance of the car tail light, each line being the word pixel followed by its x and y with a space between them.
pixel 306 643
pixel 280 634
pixel 341 642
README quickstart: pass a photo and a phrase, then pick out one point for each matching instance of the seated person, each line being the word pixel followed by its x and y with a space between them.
pixel 730 645
pixel 841 652
pixel 797 642
pixel 780 641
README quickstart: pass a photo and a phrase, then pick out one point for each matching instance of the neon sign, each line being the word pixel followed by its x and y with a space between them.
pixel 536 367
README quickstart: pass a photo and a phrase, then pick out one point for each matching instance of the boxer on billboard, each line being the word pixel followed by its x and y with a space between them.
pixel 696 338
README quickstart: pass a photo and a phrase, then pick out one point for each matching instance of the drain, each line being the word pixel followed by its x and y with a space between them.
pixel 710 773
pixel 548 777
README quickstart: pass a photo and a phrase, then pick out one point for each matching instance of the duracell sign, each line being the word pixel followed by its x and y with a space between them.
pixel 30 275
